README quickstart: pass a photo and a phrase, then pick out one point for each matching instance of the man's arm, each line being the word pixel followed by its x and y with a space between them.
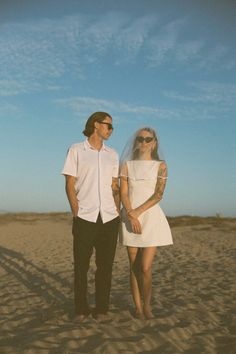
pixel 116 193
pixel 71 195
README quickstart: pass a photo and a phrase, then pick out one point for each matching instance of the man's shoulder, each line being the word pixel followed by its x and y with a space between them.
pixel 77 146
pixel 111 150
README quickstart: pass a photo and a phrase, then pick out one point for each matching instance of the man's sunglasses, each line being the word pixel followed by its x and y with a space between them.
pixel 141 139
pixel 109 125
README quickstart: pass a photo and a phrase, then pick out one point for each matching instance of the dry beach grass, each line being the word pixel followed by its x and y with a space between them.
pixel 193 291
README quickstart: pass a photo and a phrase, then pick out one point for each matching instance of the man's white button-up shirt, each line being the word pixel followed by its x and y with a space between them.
pixel 93 171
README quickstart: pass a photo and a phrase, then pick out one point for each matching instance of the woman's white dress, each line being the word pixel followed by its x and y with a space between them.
pixel 142 178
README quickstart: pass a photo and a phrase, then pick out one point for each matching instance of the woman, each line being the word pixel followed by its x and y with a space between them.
pixel 143 224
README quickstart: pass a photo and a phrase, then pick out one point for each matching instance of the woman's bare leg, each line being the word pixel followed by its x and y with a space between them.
pixel 148 255
pixel 133 253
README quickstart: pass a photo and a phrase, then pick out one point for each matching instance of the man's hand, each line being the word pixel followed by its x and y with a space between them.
pixel 71 195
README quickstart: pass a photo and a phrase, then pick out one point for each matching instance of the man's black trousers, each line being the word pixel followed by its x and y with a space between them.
pixel 102 238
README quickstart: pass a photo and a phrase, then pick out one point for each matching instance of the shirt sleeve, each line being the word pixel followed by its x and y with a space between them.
pixel 115 171
pixel 71 163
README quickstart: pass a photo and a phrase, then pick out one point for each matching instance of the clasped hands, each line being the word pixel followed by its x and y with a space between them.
pixel 133 215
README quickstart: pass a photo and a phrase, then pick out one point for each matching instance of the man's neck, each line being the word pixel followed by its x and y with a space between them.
pixel 96 142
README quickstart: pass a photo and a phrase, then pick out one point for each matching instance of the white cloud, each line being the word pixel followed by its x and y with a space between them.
pixel 11 87
pixel 164 43
pixel 133 37
pixel 221 95
pixel 34 56
pixel 216 58
pixel 174 46
pixel 189 50
pixel 38 55
pixel 83 106
pixel 9 110
pixel 15 87
pixel 28 52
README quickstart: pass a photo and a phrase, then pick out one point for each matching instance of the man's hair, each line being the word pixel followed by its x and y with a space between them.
pixel 95 117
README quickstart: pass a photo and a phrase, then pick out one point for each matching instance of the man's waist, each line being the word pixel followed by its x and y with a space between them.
pixel 92 214
pixel 93 202
pixel 91 209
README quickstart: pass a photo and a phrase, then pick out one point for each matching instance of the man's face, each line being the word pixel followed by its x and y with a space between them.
pixel 104 128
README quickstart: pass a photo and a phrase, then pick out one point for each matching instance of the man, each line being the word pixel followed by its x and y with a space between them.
pixel 91 172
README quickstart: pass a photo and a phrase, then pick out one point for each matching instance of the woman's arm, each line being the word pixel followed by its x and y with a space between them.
pixel 157 195
pixel 124 189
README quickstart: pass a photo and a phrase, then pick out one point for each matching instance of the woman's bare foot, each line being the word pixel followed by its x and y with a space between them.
pixel 139 315
pixel 148 313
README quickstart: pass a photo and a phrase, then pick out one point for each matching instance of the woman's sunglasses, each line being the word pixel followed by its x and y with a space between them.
pixel 141 139
pixel 109 125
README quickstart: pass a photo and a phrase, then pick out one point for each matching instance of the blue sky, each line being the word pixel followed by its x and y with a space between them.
pixel 170 65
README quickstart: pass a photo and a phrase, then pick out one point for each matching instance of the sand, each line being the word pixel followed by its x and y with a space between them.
pixel 193 291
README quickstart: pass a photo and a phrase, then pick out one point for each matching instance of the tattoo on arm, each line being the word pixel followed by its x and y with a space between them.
pixel 161 183
pixel 160 187
pixel 116 193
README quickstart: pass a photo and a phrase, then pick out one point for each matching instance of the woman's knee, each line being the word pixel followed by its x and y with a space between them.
pixel 146 270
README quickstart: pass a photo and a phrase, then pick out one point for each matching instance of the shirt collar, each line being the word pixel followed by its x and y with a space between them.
pixel 88 146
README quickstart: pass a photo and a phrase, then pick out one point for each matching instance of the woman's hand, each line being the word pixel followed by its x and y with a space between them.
pixel 135 224
pixel 133 214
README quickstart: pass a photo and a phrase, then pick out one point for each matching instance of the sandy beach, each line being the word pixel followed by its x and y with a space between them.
pixel 194 291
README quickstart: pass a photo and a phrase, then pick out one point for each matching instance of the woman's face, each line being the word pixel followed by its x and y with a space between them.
pixel 145 141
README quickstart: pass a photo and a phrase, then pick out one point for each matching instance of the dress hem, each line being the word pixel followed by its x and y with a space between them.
pixel 146 246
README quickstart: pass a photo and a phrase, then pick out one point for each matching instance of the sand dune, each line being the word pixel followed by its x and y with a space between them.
pixel 193 291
